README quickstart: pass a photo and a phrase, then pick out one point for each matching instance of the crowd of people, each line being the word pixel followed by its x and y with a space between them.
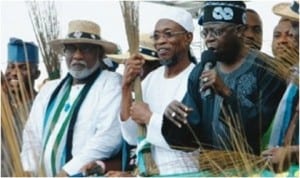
pixel 88 121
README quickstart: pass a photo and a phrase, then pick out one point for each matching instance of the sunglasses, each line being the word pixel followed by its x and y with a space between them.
pixel 83 48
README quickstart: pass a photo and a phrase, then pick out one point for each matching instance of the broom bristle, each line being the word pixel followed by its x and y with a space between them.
pixel 13 117
pixel 43 16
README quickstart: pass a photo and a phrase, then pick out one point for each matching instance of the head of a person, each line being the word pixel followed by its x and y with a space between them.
pixel 173 35
pixel 284 36
pixel 83 48
pixel 222 28
pixel 22 64
pixel 253 30
pixel 286 33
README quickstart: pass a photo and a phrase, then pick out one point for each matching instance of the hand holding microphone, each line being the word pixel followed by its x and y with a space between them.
pixel 209 80
pixel 208 60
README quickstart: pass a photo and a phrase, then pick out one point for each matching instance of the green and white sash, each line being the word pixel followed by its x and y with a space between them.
pixel 58 125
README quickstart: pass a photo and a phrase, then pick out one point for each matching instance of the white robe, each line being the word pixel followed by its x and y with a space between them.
pixel 97 133
pixel 158 92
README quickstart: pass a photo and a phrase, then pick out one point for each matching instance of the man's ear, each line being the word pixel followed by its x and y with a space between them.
pixel 190 37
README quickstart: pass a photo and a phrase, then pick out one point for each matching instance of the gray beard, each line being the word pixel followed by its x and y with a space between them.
pixel 168 62
pixel 82 74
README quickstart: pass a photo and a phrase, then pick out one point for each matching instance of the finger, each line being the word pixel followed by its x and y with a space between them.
pixel 179 112
pixel 169 115
pixel 174 122
pixel 204 79
pixel 184 107
pixel 176 110
pixel 168 112
pixel 206 85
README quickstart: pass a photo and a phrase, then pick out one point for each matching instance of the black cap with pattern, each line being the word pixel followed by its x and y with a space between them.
pixel 223 11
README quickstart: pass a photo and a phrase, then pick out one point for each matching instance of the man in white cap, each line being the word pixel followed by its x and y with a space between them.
pixel 172 37
pixel 73 121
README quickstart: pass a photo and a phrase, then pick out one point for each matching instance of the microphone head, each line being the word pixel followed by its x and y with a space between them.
pixel 208 56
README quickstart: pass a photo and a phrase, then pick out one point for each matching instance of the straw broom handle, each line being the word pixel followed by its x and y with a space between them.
pixel 131 20
pixel 9 133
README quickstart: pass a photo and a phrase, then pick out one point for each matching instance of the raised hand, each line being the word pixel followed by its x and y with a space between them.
pixel 133 68
pixel 177 113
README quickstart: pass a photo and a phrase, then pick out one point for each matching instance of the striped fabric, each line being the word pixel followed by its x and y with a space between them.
pixel 283 116
pixel 55 131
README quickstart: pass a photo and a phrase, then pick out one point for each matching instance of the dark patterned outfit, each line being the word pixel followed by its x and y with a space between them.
pixel 253 102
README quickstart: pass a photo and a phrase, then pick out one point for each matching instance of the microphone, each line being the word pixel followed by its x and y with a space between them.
pixel 208 61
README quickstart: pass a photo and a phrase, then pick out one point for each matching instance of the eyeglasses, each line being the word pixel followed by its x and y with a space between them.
pixel 166 35
pixel 216 32
pixel 83 48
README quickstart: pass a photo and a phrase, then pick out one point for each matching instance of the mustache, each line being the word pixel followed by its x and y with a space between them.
pixel 79 62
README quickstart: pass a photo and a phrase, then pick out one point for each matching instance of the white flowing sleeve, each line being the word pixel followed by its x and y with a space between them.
pixel 32 133
pixel 129 131
pixel 154 134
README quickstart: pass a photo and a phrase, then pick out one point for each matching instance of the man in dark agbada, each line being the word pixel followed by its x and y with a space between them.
pixel 244 93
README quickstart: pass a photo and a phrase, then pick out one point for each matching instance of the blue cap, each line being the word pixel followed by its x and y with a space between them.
pixel 21 51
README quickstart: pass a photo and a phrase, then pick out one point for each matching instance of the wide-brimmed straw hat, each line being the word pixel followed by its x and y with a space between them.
pixel 83 31
pixel 288 10
pixel 146 49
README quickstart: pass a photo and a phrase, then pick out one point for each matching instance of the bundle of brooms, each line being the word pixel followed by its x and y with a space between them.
pixel 235 160
pixel 15 109
pixel 285 64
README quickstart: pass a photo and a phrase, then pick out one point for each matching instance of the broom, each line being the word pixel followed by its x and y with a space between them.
pixel 130 11
pixel 43 17
pixel 14 113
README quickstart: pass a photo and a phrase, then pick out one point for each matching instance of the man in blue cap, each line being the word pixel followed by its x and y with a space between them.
pixel 22 67
pixel 22 70
pixel 237 94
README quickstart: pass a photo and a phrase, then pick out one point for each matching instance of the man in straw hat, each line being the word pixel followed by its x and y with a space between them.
pixel 282 40
pixel 172 37
pixel 237 93
pixel 74 120
pixel 283 148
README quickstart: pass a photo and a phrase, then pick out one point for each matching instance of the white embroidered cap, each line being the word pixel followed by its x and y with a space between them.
pixel 180 16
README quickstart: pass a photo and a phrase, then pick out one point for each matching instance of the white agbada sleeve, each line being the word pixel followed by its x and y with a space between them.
pixel 32 133
pixel 130 128
pixel 154 134
pixel 129 131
